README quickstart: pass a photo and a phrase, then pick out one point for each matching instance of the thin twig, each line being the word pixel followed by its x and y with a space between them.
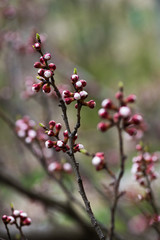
pixel 117 182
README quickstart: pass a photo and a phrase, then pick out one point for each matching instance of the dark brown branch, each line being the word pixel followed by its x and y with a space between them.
pixel 72 157
pixel 117 182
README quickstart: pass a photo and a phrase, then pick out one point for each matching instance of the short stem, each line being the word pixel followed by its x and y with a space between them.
pixel 8 233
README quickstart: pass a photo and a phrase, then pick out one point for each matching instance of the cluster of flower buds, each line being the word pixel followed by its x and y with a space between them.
pixel 79 94
pixel 45 69
pixel 115 113
pixel 143 166
pixel 19 215
pixel 59 145
pixel 60 167
pixel 98 161
pixel 25 129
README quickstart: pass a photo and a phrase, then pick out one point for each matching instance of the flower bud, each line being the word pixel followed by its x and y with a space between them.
pixel 103 113
pixel 131 98
pixel 47 56
pixel 107 103
pixel 16 213
pixel 52 124
pixel 36 87
pixel 77 96
pixel 116 117
pixel 131 131
pixel 60 144
pixel 23 215
pixel 50 133
pixel 5 219
pixel 83 94
pixel 47 74
pixel 37 46
pixel 41 72
pixel 26 222
pixel 52 66
pixel 67 167
pixel 37 65
pixel 46 88
pixel 84 83
pixel 91 104
pixel 137 119
pixel 68 100
pixel 119 95
pixel 102 126
pixel 42 60
pixel 49 144
pixel 54 166
pixel 58 126
pixel 11 219
pixel 67 93
pixel 124 112
pixel 78 84
pixel 74 78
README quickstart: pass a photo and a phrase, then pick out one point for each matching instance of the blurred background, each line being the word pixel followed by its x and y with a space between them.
pixel 108 42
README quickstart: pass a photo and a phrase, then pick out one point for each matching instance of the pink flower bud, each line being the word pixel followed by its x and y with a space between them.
pixel 83 94
pixel 107 103
pixel 137 119
pixel 37 46
pixel 100 154
pixel 23 215
pixel 52 66
pixel 32 133
pixel 78 147
pixel 36 87
pixel 78 84
pixel 124 112
pixel 103 113
pixel 131 131
pixel 49 144
pixel 58 126
pixel 47 74
pixel 42 60
pixel 84 83
pixel 74 78
pixel 16 213
pixel 131 98
pixel 102 126
pixel 77 96
pixel 52 124
pixel 116 117
pixel 138 147
pixel 60 144
pixel 98 162
pixel 55 166
pixel 65 134
pixel 91 104
pixel 47 56
pixel 41 72
pixel 68 100
pixel 5 218
pixel 26 222
pixel 67 167
pixel 67 94
pixel 46 88
pixel 119 95
pixel 37 65
pixel 50 133
pixel 11 219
